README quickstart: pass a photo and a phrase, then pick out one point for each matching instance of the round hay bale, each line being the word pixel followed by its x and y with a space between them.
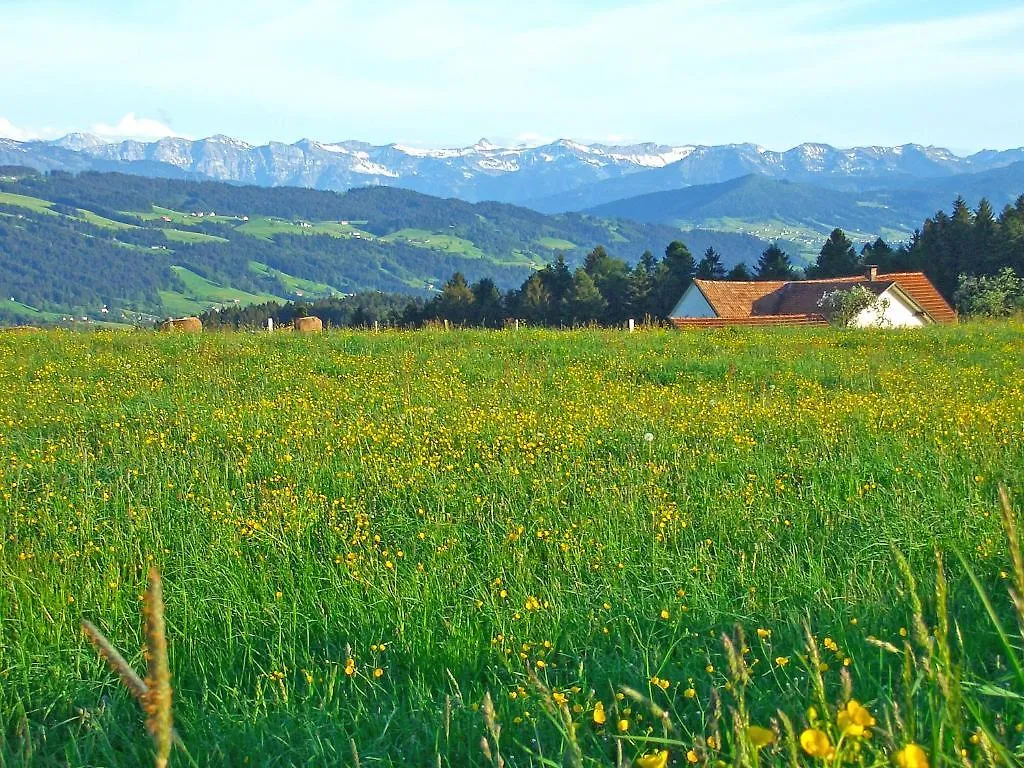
pixel 309 324
pixel 183 324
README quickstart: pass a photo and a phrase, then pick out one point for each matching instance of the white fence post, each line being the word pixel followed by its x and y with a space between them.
pixel 632 324
pixel 270 325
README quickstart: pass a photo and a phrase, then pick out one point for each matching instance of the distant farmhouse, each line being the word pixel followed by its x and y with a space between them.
pixel 905 300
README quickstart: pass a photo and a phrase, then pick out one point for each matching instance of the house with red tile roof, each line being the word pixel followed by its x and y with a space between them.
pixel 905 300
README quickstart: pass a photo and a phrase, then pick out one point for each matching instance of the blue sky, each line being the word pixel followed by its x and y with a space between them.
pixel 845 72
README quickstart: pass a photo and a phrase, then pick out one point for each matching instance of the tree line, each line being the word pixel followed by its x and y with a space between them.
pixel 973 257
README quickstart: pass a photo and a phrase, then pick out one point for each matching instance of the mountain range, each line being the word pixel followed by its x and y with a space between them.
pixel 553 178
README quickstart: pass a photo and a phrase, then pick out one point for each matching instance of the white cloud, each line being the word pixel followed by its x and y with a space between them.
pixel 134 127
pixel 9 130
pixel 530 139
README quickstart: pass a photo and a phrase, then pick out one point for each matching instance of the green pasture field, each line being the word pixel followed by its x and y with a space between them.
pixel 687 542
pixel 436 241
pixel 25 201
pixel 184 236
pixel 309 288
pixel 201 294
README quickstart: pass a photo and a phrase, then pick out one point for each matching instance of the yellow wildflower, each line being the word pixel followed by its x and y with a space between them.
pixel 599 716
pixel 653 760
pixel 760 737
pixel 623 725
pixel 854 719
pixel 912 756
pixel 816 743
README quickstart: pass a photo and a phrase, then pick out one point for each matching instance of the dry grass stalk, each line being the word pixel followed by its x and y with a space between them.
pixel 1010 526
pixel 494 729
pixel 158 678
pixel 116 662
pixel 153 693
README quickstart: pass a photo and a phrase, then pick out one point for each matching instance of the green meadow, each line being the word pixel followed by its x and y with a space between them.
pixel 586 548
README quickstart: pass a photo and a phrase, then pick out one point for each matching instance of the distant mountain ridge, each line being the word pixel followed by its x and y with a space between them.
pixel 556 177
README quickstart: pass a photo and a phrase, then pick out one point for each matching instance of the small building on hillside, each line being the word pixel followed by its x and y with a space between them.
pixel 904 300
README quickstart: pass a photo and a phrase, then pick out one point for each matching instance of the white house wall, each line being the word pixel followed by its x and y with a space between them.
pixel 896 314
pixel 693 304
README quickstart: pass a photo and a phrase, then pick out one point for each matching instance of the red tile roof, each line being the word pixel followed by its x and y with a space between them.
pixel 724 322
pixel 920 289
pixel 736 299
pixel 778 302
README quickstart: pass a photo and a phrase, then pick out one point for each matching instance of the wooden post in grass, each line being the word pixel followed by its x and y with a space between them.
pixel 270 325
pixel 631 324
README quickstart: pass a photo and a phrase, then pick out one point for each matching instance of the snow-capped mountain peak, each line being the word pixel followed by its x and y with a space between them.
pixel 584 173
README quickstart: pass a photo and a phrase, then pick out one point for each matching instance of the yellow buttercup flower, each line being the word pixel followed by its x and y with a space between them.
pixel 760 737
pixel 599 715
pixel 816 743
pixel 854 720
pixel 912 756
pixel 653 760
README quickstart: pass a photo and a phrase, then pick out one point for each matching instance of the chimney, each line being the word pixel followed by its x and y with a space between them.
pixel 872 272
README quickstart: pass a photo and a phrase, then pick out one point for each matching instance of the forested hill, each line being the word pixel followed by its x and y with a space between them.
pixel 114 246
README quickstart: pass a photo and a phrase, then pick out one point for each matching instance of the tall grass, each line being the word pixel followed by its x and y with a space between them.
pixel 361 536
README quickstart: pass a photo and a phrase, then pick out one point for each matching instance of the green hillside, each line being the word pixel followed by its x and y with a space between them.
pixel 801 215
pixel 110 246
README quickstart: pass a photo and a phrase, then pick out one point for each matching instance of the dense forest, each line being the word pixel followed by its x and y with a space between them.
pixel 98 244
pixel 82 244
pixel 974 258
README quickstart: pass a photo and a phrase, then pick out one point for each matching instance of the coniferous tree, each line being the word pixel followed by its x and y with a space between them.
pixel 879 253
pixel 985 244
pixel 740 273
pixel 488 309
pixel 558 282
pixel 534 300
pixel 639 286
pixel 837 258
pixel 585 302
pixel 456 301
pixel 774 264
pixel 710 266
pixel 675 273
pixel 611 276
